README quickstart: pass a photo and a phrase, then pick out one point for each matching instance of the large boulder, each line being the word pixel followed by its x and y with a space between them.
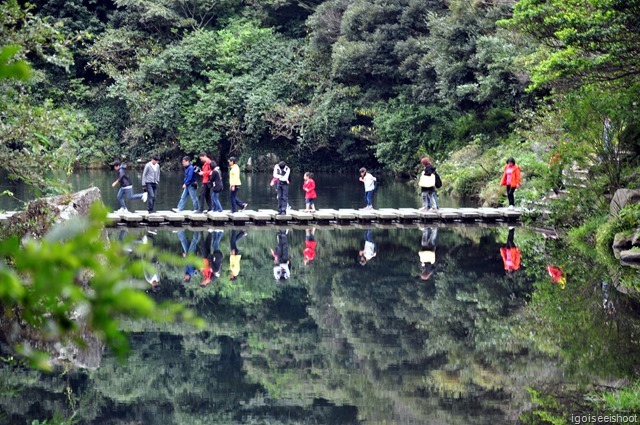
pixel 622 198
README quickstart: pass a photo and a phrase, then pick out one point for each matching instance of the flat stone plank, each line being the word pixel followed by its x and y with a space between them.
pixel 154 218
pixel 301 215
pixel 239 217
pixel 360 214
pixel 282 218
pixel 131 217
pixel 196 217
pixel 218 216
pixel 324 215
pixel 345 215
pixel 408 213
pixel 491 213
pixel 428 215
pixel 449 211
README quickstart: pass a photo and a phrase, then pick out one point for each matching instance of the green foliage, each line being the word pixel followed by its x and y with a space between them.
pixel 581 42
pixel 72 273
pixel 18 70
pixel 625 400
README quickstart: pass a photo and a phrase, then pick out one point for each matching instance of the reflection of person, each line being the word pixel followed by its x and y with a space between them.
pixel 281 260
pixel 236 255
pixel 369 250
pixel 427 253
pixel 511 179
pixel 557 275
pixel 150 267
pixel 234 186
pixel 150 181
pixel 126 188
pixel 188 248
pixel 369 186
pixel 309 252
pixel 510 253
pixel 427 185
pixel 281 174
pixel 189 185
pixel 309 187
pixel 211 256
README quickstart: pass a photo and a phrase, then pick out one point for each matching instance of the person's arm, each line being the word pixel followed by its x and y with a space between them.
pixel 285 177
pixel 145 172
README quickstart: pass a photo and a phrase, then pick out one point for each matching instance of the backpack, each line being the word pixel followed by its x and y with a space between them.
pixel 438 181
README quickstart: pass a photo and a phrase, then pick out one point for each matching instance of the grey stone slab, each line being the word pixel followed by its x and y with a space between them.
pixel 218 216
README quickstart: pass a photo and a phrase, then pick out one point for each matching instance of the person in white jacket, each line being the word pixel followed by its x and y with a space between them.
pixel 281 174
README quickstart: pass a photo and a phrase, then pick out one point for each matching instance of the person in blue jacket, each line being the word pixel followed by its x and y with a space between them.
pixel 189 185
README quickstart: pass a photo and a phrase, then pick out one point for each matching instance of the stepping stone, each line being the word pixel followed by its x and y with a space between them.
pixel 490 213
pixel 218 217
pixel 385 214
pixel 259 217
pixel 361 215
pixel 196 217
pixel 301 215
pixel 154 218
pixel 239 217
pixel 428 215
pixel 345 215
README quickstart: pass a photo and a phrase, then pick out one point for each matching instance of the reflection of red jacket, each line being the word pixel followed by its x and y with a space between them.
pixel 510 258
pixel 555 272
pixel 309 187
pixel 207 271
pixel 309 251
pixel 515 176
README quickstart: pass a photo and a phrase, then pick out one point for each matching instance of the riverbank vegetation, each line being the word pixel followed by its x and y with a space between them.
pixel 336 85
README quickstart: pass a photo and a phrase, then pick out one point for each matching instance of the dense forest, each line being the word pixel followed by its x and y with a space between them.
pixel 326 84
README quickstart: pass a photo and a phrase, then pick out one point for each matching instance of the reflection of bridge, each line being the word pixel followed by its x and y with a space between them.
pixel 324 216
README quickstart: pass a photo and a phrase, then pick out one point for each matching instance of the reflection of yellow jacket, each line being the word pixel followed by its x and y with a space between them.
pixel 234 175
pixel 234 264
pixel 427 257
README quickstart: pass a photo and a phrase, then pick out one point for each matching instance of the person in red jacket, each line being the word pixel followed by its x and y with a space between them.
pixel 309 187
pixel 511 179
pixel 510 254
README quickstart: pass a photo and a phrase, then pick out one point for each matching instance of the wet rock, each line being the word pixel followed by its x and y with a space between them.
pixel 630 257
pixel 622 198
pixel 622 241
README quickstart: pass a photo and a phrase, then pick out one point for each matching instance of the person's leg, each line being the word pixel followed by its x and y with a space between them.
pixel 151 196
pixel 426 199
pixel 216 241
pixel 510 195
pixel 282 206
pixel 284 197
pixel 215 197
pixel 209 198
pixel 369 198
pixel 239 202
pixel 194 197
pixel 183 199
pixel 120 197
pixel 202 191
pixel 232 199
pixel 434 198
pixel 183 241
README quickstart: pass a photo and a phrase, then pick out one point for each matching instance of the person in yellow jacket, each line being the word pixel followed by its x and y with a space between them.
pixel 236 255
pixel 234 186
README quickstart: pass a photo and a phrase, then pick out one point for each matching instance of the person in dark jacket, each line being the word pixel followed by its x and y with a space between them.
pixel 216 186
pixel 428 182
pixel 189 185
pixel 126 188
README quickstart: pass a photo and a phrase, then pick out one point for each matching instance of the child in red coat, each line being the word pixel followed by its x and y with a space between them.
pixel 309 187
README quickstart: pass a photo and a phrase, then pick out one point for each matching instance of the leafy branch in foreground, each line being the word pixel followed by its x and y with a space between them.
pixel 73 278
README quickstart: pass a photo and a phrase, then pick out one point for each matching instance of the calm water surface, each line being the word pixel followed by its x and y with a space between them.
pixel 388 339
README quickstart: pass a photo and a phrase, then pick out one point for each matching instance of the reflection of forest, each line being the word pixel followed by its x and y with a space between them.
pixel 336 343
